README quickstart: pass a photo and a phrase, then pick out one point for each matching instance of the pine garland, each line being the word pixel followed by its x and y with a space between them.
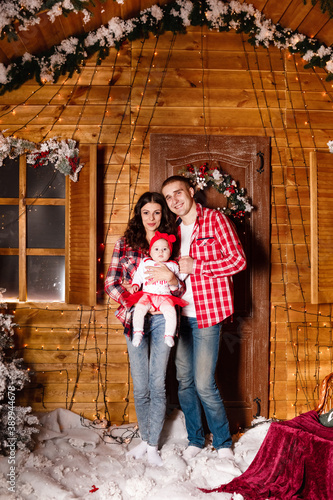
pixel 175 17
pixel 25 13
pixel 325 5
pixel 63 155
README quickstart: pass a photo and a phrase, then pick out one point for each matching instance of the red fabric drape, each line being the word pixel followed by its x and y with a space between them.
pixel 295 461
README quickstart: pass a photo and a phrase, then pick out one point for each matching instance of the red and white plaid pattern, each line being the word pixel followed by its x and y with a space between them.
pixel 217 254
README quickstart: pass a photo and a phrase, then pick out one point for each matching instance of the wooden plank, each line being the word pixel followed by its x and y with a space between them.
pixel 88 410
pixel 321 272
pixel 213 58
pixel 37 336
pixel 45 251
pixel 313 22
pixel 51 356
pixel 82 201
pixel 9 201
pixel 84 393
pixel 291 195
pixel 58 373
pixel 9 251
pixel 93 114
pixel 325 33
pixel 46 201
pixel 230 117
pixel 212 40
pixel 222 97
pixel 317 119
pixel 295 13
pixel 230 78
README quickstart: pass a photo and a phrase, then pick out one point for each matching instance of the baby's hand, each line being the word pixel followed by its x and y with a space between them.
pixel 135 288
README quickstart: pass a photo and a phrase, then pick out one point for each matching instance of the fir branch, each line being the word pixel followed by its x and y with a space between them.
pixel 63 155
pixel 15 13
pixel 325 5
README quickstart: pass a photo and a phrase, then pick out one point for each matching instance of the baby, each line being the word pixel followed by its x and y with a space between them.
pixel 157 295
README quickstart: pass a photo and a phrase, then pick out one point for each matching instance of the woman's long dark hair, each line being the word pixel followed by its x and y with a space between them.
pixel 135 233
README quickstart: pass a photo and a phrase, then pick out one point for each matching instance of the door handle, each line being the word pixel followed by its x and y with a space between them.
pixel 258 401
pixel 261 157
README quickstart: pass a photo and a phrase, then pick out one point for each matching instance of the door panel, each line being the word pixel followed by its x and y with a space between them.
pixel 242 371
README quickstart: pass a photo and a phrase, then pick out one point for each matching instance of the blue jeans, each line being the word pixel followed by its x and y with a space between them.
pixel 148 364
pixel 196 359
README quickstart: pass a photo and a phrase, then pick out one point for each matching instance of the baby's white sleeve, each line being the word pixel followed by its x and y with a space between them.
pixel 139 275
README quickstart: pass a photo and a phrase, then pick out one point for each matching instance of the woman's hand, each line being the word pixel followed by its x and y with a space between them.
pixel 160 273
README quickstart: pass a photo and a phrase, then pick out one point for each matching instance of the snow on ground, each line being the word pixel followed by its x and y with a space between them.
pixel 72 461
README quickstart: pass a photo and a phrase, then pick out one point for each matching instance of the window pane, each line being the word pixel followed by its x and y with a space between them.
pixel 46 278
pixel 9 178
pixel 9 226
pixel 45 182
pixel 9 272
pixel 46 227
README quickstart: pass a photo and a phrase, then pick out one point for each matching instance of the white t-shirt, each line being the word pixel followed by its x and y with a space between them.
pixel 186 233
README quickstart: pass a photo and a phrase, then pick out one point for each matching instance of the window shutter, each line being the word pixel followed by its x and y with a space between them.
pixel 81 231
pixel 321 191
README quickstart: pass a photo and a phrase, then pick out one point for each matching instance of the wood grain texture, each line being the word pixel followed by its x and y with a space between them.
pixel 256 92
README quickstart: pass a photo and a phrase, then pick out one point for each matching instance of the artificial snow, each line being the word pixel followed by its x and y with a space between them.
pixel 71 460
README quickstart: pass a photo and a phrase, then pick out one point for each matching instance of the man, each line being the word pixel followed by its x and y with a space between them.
pixel 210 254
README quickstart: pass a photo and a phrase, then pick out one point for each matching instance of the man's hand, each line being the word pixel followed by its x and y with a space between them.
pixel 186 264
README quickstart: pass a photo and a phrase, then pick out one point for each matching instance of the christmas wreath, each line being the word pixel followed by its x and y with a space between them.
pixel 203 176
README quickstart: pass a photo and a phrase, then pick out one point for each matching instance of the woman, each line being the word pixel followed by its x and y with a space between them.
pixel 149 360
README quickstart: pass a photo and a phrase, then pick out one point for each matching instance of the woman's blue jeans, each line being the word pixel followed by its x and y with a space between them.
pixel 148 364
pixel 196 358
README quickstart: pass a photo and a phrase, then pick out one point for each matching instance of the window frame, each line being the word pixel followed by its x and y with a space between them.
pixel 23 251
pixel 80 250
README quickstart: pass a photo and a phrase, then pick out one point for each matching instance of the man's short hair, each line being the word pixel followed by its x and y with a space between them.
pixel 177 178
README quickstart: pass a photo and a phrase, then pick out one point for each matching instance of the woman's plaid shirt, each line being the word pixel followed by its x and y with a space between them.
pixel 124 262
pixel 217 254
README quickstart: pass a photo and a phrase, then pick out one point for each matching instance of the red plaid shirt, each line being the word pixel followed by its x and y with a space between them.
pixel 124 262
pixel 217 254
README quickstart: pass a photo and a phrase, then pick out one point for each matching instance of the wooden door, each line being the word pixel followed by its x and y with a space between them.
pixel 243 366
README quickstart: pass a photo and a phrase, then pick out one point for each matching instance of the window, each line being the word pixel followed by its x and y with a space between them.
pixel 48 232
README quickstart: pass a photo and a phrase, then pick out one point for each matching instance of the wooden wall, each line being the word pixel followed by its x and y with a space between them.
pixel 188 84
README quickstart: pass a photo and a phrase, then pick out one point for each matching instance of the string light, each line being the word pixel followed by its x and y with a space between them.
pixel 300 362
pixel 289 309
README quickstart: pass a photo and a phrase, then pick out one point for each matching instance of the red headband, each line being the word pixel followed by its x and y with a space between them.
pixel 170 238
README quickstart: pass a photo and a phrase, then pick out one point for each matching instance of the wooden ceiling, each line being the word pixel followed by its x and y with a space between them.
pixel 307 19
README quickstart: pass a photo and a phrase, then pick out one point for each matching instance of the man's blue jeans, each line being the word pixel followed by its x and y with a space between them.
pixel 148 364
pixel 196 358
